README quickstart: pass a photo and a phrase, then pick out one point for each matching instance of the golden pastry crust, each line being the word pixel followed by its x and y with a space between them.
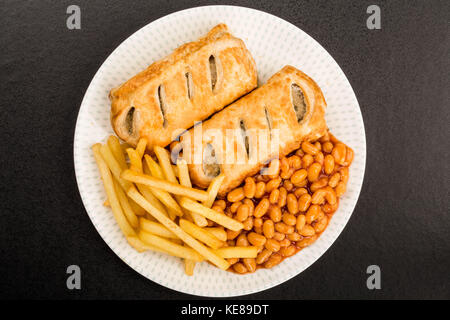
pixel 196 80
pixel 272 106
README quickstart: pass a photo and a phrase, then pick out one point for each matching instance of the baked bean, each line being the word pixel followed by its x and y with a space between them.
pixel 314 172
pixel 319 158
pixel 339 153
pixel 325 137
pixel 344 174
pixel 220 203
pixel 261 208
pixel 295 162
pixel 274 168
pixel 304 202
pixel 242 212
pixel 236 195
pixel 301 221
pixel 250 264
pixel 234 207
pixel 273 197
pixel 312 213
pixel 272 245
pixel 285 242
pixel 335 178
pixel 275 213
pixel 217 208
pixel 327 147
pixel 249 187
pixel 321 224
pixel 318 196
pixel 268 229
pixel 231 243
pixel 292 204
pixel 284 164
pixel 239 268
pixel 300 191
pixel 288 185
pixel 258 230
pixel 248 224
pixel 260 189
pixel 274 259
pixel 288 251
pixel 273 184
pixel 321 183
pixel 294 236
pixel 289 219
pixel 287 174
pixel 306 241
pixel 279 236
pixel 256 239
pixel 251 206
pixel 284 228
pixel 331 196
pixel 263 256
pixel 210 223
pixel 328 164
pixel 232 261
pixel 348 157
pixel 300 153
pixel 282 197
pixel 299 176
pixel 259 249
pixel 242 241
pixel 232 234
pixel 301 184
pixel 309 148
pixel 329 209
pixel 333 138
pixel 307 231
pixel 340 189
pixel 258 222
pixel 307 161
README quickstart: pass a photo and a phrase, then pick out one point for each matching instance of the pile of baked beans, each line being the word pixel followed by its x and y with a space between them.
pixel 286 209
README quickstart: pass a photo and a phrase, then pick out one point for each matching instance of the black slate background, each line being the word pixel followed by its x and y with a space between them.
pixel 400 75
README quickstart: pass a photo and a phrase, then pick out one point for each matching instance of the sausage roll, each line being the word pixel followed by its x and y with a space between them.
pixel 196 80
pixel 289 108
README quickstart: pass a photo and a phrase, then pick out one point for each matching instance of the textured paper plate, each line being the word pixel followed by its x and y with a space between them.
pixel 273 43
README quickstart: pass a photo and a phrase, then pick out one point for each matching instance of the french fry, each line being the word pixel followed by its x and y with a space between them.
pixel 106 203
pixel 237 252
pixel 215 216
pixel 172 226
pixel 113 165
pixel 147 193
pixel 170 247
pixel 135 160
pixel 185 180
pixel 175 170
pixel 189 266
pixel 137 209
pixel 111 193
pixel 156 228
pixel 140 148
pixel 164 162
pixel 116 149
pixel 217 232
pixel 171 187
pixel 162 195
pixel 140 246
pixel 213 189
pixel 124 146
pixel 126 208
pixel 200 234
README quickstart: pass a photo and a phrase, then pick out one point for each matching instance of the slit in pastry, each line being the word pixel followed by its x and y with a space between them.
pixel 129 120
pixel 189 85
pixel 210 164
pixel 245 137
pixel 213 71
pixel 162 103
pixel 269 121
pixel 298 101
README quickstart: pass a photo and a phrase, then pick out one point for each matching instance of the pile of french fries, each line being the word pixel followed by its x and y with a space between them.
pixel 157 208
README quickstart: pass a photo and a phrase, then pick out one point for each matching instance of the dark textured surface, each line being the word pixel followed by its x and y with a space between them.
pixel 400 75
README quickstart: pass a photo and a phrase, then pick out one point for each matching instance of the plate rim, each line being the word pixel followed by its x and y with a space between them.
pixel 272 284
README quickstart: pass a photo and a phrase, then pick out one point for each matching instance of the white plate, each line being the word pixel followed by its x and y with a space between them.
pixel 273 43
